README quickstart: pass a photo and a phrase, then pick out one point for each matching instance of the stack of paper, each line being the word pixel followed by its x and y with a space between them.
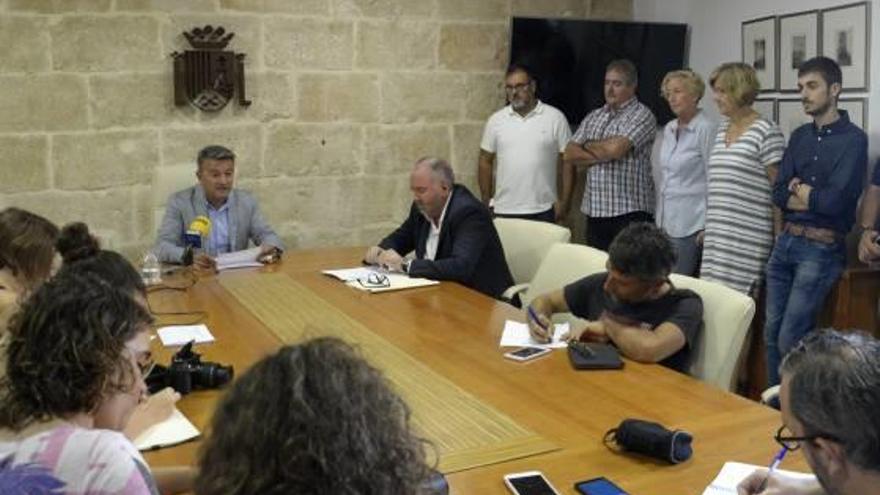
pixel 239 259
pixel 177 335
pixel 732 473
pixel 516 334
pixel 174 430
pixel 360 277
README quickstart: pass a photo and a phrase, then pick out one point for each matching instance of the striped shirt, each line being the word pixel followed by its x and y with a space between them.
pixel 618 187
pixel 739 216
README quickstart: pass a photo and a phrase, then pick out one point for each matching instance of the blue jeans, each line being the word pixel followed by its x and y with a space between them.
pixel 688 253
pixel 799 275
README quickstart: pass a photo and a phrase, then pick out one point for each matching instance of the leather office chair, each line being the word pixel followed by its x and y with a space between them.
pixel 168 180
pixel 563 264
pixel 526 243
pixel 727 315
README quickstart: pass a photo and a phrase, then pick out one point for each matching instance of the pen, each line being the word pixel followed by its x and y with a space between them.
pixel 534 317
pixel 773 465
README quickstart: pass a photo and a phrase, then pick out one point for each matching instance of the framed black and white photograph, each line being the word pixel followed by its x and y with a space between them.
pixel 791 116
pixel 759 49
pixel 857 108
pixel 798 41
pixel 846 39
pixel 766 107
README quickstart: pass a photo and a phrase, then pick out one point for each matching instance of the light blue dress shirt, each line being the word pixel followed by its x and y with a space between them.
pixel 218 238
pixel 683 187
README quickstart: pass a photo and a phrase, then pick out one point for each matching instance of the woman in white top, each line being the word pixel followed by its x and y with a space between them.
pixel 64 435
pixel 683 161
pixel 742 167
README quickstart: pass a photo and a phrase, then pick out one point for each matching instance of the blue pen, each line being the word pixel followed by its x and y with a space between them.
pixel 773 465
pixel 534 317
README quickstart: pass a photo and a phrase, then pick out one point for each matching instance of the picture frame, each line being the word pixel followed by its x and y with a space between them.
pixel 846 38
pixel 759 50
pixel 791 116
pixel 798 41
pixel 766 107
pixel 857 108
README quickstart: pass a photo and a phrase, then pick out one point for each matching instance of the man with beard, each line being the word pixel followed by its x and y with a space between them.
pixel 819 183
pixel 830 396
pixel 633 306
pixel 450 231
pixel 526 139
pixel 614 142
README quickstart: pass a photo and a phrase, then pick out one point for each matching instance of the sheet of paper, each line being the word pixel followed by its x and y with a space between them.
pixel 734 472
pixel 177 335
pixel 516 334
pixel 352 274
pixel 174 430
pixel 396 281
pixel 239 259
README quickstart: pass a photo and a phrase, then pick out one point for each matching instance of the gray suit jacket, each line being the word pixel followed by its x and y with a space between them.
pixel 246 223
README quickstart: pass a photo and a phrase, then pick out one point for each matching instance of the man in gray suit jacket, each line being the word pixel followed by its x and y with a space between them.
pixel 234 214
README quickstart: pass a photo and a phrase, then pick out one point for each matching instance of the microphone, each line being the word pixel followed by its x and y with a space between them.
pixel 194 237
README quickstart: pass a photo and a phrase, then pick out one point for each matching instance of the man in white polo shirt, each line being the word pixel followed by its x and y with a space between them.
pixel 526 139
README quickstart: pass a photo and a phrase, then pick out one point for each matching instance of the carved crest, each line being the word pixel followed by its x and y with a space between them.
pixel 208 76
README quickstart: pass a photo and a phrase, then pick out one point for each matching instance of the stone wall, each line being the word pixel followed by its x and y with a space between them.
pixel 347 93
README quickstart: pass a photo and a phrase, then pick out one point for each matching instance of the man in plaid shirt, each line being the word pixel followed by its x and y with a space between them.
pixel 615 143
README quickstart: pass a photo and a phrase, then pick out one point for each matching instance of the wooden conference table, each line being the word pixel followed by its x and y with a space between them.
pixel 455 331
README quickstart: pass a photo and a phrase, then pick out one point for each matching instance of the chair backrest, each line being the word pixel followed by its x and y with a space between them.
pixel 526 242
pixel 727 315
pixel 564 264
pixel 168 180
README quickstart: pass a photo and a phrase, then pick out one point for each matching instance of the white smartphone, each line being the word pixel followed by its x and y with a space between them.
pixel 527 353
pixel 529 483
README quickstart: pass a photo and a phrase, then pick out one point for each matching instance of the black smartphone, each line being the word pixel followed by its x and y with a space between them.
pixel 598 486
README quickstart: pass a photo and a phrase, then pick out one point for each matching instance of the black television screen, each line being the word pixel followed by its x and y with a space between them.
pixel 568 59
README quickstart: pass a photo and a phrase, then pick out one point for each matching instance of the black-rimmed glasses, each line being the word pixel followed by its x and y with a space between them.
pixel 375 281
pixel 783 437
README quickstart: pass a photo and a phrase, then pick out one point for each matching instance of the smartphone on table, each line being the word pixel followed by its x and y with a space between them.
pixel 527 353
pixel 529 483
pixel 598 486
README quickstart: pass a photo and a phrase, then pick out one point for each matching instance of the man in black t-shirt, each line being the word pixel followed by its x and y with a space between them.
pixel 633 305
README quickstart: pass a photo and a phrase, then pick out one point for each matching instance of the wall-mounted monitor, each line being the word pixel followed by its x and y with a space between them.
pixel 569 57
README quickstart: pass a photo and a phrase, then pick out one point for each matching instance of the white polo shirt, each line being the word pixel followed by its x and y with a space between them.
pixel 526 151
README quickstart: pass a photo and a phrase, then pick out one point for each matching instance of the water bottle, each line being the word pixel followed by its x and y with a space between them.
pixel 150 270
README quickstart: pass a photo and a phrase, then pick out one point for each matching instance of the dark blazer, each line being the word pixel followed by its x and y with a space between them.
pixel 469 250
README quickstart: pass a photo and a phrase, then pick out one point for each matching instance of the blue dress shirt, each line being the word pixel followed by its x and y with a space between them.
pixel 218 238
pixel 832 160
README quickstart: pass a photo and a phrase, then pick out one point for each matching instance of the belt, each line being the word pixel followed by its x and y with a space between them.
pixel 825 236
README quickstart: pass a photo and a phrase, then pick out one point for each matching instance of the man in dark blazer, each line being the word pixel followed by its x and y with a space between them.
pixel 450 231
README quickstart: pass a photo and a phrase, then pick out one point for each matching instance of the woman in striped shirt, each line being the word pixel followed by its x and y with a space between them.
pixel 742 167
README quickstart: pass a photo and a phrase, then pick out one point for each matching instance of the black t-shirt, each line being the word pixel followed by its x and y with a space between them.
pixel 588 300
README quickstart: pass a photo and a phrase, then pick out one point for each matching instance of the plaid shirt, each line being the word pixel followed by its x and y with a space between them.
pixel 618 187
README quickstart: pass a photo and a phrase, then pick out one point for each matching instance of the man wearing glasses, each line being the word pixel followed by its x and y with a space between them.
pixel 450 231
pixel 830 397
pixel 526 140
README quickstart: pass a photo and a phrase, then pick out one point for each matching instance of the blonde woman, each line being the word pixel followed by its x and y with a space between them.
pixel 683 163
pixel 742 167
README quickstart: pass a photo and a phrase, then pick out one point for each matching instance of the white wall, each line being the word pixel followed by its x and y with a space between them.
pixel 715 37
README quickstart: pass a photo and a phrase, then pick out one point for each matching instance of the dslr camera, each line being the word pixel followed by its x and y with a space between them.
pixel 187 371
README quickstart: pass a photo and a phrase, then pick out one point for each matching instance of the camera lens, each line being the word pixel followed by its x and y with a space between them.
pixel 213 375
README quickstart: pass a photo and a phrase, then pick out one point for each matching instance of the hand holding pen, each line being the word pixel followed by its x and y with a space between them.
pixel 539 325
pixel 759 481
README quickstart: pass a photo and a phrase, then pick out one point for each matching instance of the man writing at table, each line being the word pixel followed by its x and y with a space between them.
pixel 830 397
pixel 234 214
pixel 634 305
pixel 450 231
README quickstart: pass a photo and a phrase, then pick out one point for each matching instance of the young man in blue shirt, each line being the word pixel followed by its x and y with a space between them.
pixel 819 183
